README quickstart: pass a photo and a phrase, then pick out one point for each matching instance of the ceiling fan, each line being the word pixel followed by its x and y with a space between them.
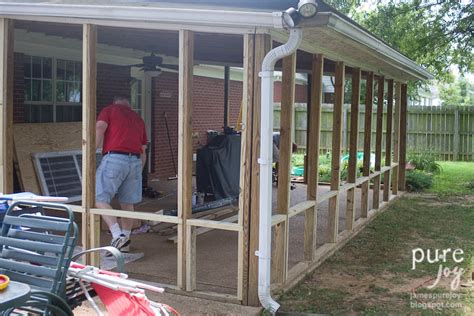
pixel 154 63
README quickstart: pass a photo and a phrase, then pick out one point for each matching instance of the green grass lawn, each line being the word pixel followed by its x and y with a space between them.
pixel 373 275
pixel 456 178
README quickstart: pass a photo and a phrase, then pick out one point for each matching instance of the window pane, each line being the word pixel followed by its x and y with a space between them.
pixel 60 91
pixel 77 92
pixel 69 70
pixel 77 71
pixel 47 68
pixel 27 66
pixel 60 70
pixel 27 89
pixel 36 90
pixel 47 90
pixel 36 67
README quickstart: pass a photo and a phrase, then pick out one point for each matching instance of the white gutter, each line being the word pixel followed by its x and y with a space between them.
pixel 205 17
pixel 265 161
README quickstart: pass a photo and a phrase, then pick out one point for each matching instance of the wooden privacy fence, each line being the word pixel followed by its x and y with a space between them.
pixel 447 132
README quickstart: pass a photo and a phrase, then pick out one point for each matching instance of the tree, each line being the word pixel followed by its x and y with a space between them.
pixel 457 92
pixel 434 33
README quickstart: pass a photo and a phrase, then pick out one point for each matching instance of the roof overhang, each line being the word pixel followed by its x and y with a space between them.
pixel 328 32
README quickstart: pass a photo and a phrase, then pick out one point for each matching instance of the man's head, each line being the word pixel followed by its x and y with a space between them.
pixel 121 100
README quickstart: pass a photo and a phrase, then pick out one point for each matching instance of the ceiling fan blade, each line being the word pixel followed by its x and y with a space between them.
pixel 175 67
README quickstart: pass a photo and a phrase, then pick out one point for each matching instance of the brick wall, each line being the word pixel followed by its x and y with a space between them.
pixel 18 89
pixel 208 113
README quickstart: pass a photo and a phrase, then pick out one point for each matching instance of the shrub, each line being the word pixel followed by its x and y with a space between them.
pixel 417 180
pixel 297 160
pixel 424 162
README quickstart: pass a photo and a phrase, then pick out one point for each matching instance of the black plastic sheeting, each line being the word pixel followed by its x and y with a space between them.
pixel 218 167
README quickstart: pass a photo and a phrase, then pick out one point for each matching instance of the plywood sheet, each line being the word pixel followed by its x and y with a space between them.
pixel 32 138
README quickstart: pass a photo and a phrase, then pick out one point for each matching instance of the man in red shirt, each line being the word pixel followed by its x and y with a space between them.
pixel 123 135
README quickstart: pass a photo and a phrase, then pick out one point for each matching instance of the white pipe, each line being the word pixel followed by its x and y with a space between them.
pixel 265 161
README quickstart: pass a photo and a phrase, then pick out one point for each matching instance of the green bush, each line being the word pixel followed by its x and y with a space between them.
pixel 297 160
pixel 424 162
pixel 417 180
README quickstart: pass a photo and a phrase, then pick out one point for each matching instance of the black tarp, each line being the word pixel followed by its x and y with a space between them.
pixel 218 167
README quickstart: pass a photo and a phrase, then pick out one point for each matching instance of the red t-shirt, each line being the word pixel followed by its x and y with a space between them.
pixel 125 129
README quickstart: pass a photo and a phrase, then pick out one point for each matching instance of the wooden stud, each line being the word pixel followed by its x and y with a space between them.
pixel 378 142
pixel 403 138
pixel 226 95
pixel 313 143
pixel 388 141
pixel 6 105
pixel 245 165
pixel 369 95
pixel 91 222
pixel 262 47
pixel 280 250
pixel 353 140
pixel 396 137
pixel 333 218
pixel 185 154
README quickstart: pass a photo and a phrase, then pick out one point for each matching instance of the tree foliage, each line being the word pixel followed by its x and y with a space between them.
pixel 457 92
pixel 434 33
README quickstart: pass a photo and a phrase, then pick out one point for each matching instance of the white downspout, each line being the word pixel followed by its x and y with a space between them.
pixel 265 161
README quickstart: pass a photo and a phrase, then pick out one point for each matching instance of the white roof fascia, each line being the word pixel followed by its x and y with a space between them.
pixel 344 27
pixel 179 18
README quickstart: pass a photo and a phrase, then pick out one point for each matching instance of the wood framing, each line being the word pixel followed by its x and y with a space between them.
pixel 262 47
pixel 403 137
pixel 312 166
pixel 388 141
pixel 369 95
pixel 90 222
pixel 246 111
pixel 396 137
pixel 333 208
pixel 185 155
pixel 353 141
pixel 6 105
pixel 378 142
pixel 280 250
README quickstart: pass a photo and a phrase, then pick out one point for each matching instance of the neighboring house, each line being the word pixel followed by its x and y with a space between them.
pixel 427 96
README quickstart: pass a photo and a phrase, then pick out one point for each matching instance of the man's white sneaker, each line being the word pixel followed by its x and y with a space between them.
pixel 121 243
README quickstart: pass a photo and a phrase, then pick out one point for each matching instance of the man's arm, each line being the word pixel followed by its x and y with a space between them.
pixel 143 156
pixel 100 128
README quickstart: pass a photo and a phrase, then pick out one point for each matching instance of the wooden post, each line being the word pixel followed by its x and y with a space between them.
pixel 403 138
pixel 314 129
pixel 246 164
pixel 226 95
pixel 378 143
pixel 262 47
pixel 353 140
pixel 185 154
pixel 388 141
pixel 280 251
pixel 396 137
pixel 6 105
pixel 90 223
pixel 369 95
pixel 333 219
pixel 309 83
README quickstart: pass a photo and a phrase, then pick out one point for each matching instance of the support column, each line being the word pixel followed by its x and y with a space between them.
pixel 313 142
pixel 185 156
pixel 396 137
pixel 353 140
pixel 369 95
pixel 333 218
pixel 280 250
pixel 403 137
pixel 378 143
pixel 262 47
pixel 90 223
pixel 6 105
pixel 388 142
pixel 226 95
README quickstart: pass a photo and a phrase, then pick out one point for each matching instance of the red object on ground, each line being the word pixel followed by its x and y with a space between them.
pixel 123 304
